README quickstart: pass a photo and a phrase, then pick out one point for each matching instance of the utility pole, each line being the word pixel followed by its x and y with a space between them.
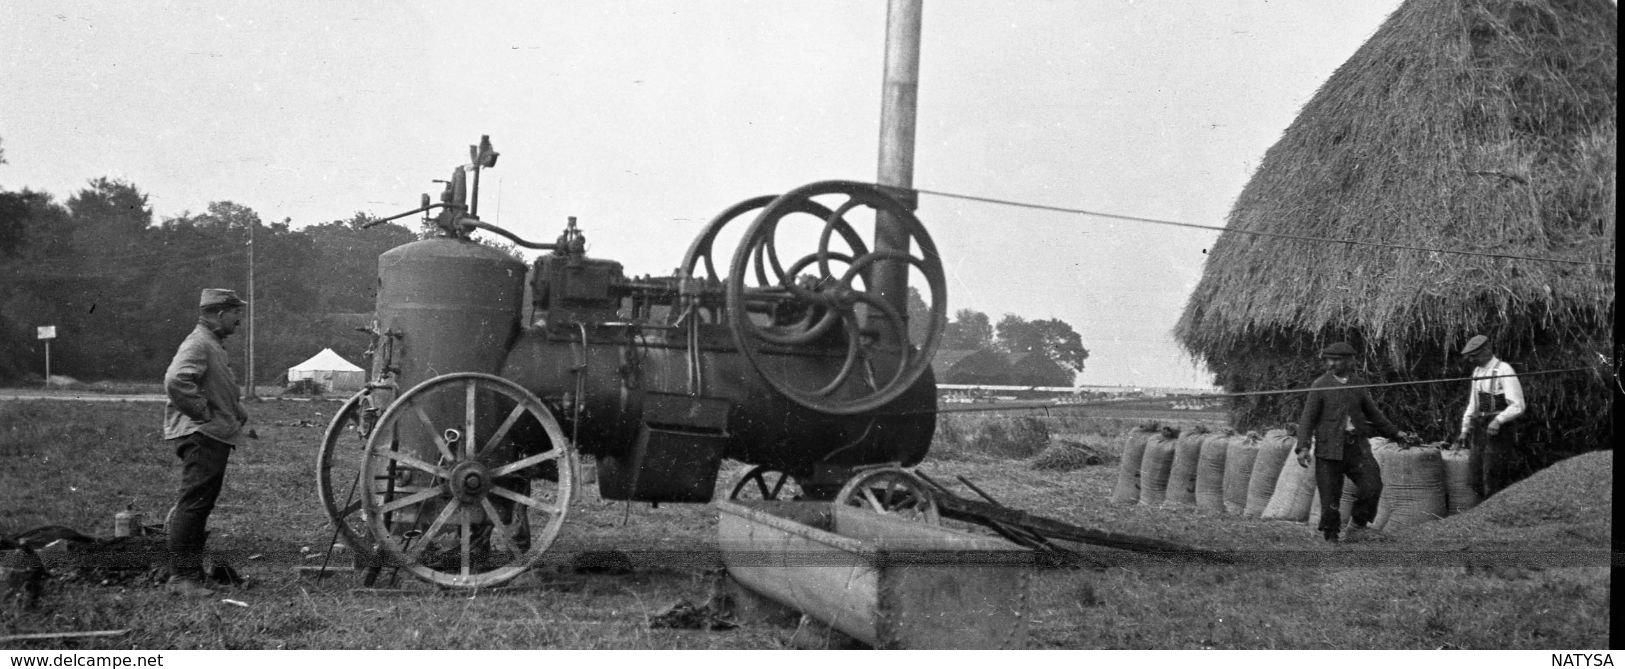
pixel 251 300
pixel 899 99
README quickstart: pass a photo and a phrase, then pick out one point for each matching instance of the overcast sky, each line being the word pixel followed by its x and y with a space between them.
pixel 645 119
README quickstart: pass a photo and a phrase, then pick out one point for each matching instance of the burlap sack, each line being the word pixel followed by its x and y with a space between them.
pixel 1182 473
pixel 1413 489
pixel 1210 473
pixel 1459 495
pixel 1240 456
pixel 1154 466
pixel 1127 490
pixel 1294 493
pixel 1273 452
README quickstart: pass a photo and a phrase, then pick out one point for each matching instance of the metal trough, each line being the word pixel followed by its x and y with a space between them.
pixel 886 581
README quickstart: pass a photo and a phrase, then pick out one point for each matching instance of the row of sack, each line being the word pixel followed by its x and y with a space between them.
pixel 1257 476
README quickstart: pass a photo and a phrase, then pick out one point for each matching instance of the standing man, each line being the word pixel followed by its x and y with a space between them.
pixel 204 420
pixel 1495 399
pixel 1337 422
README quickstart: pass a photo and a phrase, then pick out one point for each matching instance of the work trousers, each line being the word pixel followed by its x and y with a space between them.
pixel 1492 458
pixel 1360 467
pixel 203 472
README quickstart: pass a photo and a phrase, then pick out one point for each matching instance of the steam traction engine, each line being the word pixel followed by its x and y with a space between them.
pixel 491 380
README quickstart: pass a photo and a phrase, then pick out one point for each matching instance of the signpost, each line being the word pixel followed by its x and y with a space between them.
pixel 47 333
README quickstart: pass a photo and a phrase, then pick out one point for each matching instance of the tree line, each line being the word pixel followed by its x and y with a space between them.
pixel 121 289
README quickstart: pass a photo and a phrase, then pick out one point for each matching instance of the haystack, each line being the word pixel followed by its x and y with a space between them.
pixel 1477 125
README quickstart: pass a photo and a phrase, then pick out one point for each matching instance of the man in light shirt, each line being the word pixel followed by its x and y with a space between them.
pixel 1496 399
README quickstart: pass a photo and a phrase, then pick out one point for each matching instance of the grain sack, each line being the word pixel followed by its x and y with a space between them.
pixel 1294 492
pixel 1240 453
pixel 1273 452
pixel 1127 490
pixel 1459 495
pixel 1182 474
pixel 1412 485
pixel 1154 466
pixel 1210 473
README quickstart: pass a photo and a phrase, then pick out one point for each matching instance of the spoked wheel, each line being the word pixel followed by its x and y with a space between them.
pixel 477 480
pixel 826 299
pixel 764 483
pixel 701 254
pixel 891 491
pixel 338 472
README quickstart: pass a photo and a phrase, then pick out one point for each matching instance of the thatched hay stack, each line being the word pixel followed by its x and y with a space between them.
pixel 1479 125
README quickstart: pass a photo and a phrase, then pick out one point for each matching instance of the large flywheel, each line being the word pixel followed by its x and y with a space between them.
pixel 475 479
pixel 780 304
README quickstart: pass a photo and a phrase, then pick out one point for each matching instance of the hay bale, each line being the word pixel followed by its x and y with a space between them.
pixel 1459 495
pixel 1154 466
pixel 1182 473
pixel 1210 473
pixel 1127 490
pixel 1240 456
pixel 1273 452
pixel 1064 455
pixel 1294 493
pixel 1412 485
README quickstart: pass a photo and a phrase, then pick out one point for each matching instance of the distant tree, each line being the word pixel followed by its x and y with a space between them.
pixel 1052 337
pixel 970 330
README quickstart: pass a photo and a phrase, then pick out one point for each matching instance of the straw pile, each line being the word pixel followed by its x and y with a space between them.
pixel 1567 505
pixel 1478 125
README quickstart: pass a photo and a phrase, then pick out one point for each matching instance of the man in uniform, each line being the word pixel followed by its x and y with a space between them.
pixel 1334 427
pixel 1494 400
pixel 204 420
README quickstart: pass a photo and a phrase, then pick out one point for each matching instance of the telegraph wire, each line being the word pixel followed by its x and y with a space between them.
pixel 1280 235
pixel 1047 405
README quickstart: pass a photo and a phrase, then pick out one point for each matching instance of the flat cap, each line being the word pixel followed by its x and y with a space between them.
pixel 1338 350
pixel 219 297
pixel 1475 344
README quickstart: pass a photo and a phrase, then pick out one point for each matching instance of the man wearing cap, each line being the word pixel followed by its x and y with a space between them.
pixel 1495 399
pixel 1334 426
pixel 204 420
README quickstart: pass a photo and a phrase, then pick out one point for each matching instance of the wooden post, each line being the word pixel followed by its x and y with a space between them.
pixel 899 98
pixel 251 394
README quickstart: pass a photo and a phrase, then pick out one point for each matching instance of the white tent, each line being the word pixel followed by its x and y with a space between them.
pixel 330 370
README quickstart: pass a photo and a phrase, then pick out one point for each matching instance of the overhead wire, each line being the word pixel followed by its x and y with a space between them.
pixel 1259 233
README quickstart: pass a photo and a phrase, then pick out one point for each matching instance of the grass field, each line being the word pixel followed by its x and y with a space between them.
pixel 1486 579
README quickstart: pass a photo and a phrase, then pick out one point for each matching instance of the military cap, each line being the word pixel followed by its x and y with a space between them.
pixel 1475 344
pixel 219 297
pixel 1338 350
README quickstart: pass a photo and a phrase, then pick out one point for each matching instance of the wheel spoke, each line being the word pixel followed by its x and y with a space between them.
pixel 549 454
pixel 416 553
pixel 501 431
pixel 466 536
pixel 410 461
pixel 526 500
pixel 439 441
pixel 468 419
pixel 499 530
pixel 409 500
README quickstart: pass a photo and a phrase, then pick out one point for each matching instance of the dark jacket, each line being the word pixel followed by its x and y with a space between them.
pixel 1329 406
pixel 203 394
